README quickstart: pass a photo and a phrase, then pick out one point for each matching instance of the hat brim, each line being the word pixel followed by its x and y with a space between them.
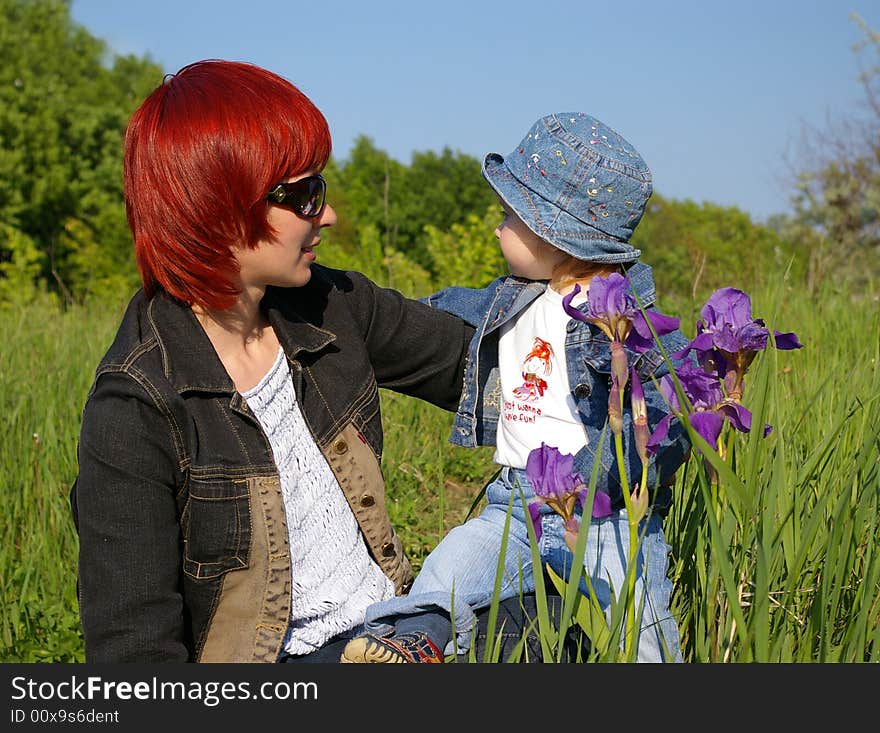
pixel 572 235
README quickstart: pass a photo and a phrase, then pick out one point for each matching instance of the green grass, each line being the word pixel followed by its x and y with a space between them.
pixel 776 562
pixel 46 367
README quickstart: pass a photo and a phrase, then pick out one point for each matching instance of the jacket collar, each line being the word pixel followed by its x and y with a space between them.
pixel 641 281
pixel 291 312
pixel 188 356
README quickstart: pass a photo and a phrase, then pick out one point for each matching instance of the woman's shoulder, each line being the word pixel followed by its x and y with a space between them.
pixel 129 335
pixel 122 378
pixel 150 332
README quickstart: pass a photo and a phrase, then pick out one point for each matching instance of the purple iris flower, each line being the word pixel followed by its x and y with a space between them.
pixel 728 338
pixel 615 311
pixel 640 416
pixel 552 473
pixel 710 406
pixel 558 485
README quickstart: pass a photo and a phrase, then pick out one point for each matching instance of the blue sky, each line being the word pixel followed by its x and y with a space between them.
pixel 715 95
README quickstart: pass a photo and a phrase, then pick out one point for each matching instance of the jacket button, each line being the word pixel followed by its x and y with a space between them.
pixel 340 446
pixel 388 550
pixel 582 391
pixel 367 500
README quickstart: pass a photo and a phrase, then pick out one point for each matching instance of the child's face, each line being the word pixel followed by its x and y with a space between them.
pixel 526 253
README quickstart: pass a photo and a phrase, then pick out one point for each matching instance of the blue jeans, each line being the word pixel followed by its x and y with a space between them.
pixel 459 575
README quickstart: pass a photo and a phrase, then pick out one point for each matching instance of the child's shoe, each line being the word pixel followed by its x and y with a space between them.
pixel 414 647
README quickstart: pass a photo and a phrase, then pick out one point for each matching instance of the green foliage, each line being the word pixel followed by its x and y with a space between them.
pixel 468 253
pixel 371 183
pixel 340 241
pixel 442 191
pixel 697 248
pixel 20 266
pixel 382 264
pixel 62 115
pixel 400 201
pixel 405 275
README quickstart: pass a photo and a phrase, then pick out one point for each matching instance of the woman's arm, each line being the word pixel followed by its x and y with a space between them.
pixel 414 349
pixel 129 580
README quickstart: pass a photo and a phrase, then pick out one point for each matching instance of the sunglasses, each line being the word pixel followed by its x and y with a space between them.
pixel 304 197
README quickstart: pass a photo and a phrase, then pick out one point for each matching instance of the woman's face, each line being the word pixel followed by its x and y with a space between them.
pixel 286 259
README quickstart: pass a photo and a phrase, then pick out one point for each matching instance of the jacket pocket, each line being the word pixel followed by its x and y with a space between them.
pixel 216 527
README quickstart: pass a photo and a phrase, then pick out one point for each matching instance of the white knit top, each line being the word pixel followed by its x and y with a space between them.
pixel 333 577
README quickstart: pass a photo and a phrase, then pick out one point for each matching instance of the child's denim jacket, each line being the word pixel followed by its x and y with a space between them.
pixel 588 358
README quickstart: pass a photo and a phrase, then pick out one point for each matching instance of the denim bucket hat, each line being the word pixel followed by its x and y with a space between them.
pixel 577 184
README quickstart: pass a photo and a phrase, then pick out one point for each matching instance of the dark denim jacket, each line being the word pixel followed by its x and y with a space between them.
pixel 183 545
pixel 588 359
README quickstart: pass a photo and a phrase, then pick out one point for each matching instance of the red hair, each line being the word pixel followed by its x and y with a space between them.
pixel 541 350
pixel 200 154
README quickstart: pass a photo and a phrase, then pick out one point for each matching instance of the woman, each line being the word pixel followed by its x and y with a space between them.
pixel 230 502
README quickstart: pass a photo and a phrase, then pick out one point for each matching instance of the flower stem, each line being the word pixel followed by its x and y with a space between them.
pixel 629 638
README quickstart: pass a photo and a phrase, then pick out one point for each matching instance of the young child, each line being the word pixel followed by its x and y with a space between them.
pixel 572 191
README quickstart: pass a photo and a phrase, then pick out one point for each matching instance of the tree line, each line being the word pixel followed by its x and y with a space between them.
pixel 65 99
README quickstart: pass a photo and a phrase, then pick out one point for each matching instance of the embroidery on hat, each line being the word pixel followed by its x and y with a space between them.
pixel 596 210
pixel 595 207
pixel 597 139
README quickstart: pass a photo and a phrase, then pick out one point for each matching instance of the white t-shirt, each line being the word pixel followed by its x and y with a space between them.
pixel 536 400
pixel 333 577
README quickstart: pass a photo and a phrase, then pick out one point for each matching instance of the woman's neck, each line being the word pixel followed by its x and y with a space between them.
pixel 244 341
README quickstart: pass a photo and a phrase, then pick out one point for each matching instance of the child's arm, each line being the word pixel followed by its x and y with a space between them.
pixel 469 304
